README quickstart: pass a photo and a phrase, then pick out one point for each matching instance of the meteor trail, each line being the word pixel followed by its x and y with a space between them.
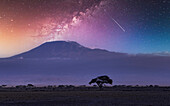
pixel 115 21
pixel 119 25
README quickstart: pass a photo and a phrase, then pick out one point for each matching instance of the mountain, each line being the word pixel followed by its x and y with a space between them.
pixel 63 62
pixel 67 50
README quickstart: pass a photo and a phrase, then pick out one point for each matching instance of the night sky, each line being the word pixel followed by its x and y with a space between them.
pixel 129 26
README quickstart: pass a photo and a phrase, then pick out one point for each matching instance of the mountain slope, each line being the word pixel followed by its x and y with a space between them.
pixel 62 49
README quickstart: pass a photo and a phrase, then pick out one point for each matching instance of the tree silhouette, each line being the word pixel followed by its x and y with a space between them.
pixel 101 80
pixel 30 86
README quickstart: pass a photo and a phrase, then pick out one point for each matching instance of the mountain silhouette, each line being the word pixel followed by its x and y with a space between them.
pixel 63 49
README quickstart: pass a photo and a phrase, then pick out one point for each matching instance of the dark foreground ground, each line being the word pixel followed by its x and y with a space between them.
pixel 86 98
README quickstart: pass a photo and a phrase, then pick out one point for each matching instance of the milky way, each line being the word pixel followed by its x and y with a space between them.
pixel 67 15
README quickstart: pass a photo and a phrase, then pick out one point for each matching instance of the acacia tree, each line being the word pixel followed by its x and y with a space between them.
pixel 101 80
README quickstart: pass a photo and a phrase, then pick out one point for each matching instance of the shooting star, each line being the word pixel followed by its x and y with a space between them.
pixel 119 25
pixel 115 21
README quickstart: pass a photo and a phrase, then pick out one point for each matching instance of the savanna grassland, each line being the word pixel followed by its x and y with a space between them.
pixel 85 98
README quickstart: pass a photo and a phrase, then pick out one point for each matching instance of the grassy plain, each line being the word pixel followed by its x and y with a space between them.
pixel 86 98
